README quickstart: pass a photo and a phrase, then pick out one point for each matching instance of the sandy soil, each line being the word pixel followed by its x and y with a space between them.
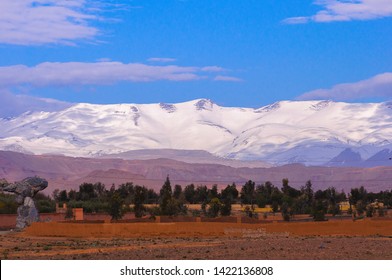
pixel 328 240
pixel 268 247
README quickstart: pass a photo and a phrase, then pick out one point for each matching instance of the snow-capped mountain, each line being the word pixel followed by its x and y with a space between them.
pixel 310 132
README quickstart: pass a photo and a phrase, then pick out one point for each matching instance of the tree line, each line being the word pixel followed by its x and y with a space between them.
pixel 173 201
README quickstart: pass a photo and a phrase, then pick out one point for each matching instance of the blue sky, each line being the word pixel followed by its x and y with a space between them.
pixel 238 53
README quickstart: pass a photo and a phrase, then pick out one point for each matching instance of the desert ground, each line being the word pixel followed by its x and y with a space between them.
pixel 365 239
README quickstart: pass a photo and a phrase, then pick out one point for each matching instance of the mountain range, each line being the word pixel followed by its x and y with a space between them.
pixel 69 172
pixel 308 132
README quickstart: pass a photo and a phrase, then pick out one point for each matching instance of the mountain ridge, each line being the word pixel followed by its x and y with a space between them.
pixel 308 132
pixel 69 172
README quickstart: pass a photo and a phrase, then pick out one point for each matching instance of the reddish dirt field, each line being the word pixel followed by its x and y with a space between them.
pixel 215 229
pixel 365 239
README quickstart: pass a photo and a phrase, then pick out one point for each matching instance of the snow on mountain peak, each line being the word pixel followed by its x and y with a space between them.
pixel 269 108
pixel 321 105
pixel 170 108
pixel 204 104
pixel 311 132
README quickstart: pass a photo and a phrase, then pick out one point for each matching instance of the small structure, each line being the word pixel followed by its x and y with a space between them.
pixel 61 209
pixel 344 206
pixel 25 190
pixel 78 214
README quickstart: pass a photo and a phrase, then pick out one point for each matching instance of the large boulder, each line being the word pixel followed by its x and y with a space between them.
pixel 25 190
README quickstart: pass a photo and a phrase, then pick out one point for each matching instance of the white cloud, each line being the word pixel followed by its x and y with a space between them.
pixel 161 59
pixel 296 20
pixel 227 79
pixel 37 22
pixel 346 10
pixel 98 73
pixel 212 69
pixel 377 86
pixel 13 105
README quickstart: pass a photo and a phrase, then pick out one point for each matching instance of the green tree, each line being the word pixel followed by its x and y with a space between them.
pixel 190 193
pixel 63 196
pixel 8 204
pixel 140 195
pixel 370 211
pixel 127 192
pixel 213 192
pixel 201 194
pixel 360 207
pixel 165 198
pixel 276 199
pixel 86 192
pixel 300 205
pixel 230 191
pixel 308 192
pixel 333 201
pixel 115 209
pixel 214 207
pixel 288 190
pixel 304 202
pixel 44 203
pixel 225 208
pixel 264 193
pixel 275 207
pixel 152 197
pixel 286 211
pixel 319 209
pixel 358 195
pixel 182 209
pixel 89 191
pixel 386 198
pixel 248 193
pixel 177 191
pixel 72 195
pixel 55 195
pixel 229 194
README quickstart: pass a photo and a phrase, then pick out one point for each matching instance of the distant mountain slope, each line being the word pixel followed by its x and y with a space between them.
pixel 68 173
pixel 189 156
pixel 309 132
pixel 346 158
pixel 383 157
pixel 350 158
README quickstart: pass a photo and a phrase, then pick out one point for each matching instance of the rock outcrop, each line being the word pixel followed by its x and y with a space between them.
pixel 25 190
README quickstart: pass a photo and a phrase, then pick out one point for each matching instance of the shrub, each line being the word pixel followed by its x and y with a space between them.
pixel 369 211
pixel 319 209
pixel 8 204
pixel 69 214
pixel 250 212
pixel 214 207
pixel 286 212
